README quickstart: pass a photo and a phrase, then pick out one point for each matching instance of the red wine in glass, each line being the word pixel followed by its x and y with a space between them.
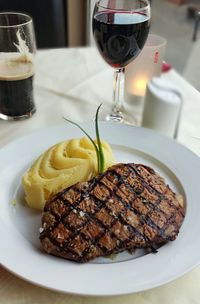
pixel 120 29
pixel 120 36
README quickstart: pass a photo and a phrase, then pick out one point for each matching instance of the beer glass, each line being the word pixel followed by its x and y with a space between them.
pixel 17 50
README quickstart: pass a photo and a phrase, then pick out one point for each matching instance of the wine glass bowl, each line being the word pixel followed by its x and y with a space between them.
pixel 120 30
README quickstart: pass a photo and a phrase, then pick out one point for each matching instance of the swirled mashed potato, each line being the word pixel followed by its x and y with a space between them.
pixel 61 166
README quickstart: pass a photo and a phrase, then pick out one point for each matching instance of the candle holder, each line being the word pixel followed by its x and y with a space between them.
pixel 146 66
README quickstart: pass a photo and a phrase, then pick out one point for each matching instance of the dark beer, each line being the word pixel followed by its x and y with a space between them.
pixel 16 89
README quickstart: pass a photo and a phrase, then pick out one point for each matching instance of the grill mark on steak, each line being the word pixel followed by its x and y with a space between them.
pixel 155 207
pixel 133 230
pixel 75 233
pixel 123 213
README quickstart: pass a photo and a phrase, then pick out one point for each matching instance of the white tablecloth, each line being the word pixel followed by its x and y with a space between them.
pixel 72 83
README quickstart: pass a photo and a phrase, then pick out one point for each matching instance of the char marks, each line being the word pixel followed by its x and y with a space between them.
pixel 127 207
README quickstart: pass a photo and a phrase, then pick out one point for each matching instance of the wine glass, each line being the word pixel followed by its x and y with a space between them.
pixel 120 30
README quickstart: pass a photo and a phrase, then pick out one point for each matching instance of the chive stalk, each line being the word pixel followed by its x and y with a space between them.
pixel 98 147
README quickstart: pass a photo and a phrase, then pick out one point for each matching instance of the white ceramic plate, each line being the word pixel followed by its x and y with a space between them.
pixel 20 248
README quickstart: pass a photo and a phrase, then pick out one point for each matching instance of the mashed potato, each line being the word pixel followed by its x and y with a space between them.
pixel 61 166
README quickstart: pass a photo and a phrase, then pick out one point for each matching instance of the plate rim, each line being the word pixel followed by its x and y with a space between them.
pixel 90 124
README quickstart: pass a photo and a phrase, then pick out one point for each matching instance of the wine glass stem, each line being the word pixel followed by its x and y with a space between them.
pixel 116 94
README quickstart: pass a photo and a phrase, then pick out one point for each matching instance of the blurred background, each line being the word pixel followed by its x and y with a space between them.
pixel 67 23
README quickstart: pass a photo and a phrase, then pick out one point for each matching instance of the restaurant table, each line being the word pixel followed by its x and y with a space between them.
pixel 72 83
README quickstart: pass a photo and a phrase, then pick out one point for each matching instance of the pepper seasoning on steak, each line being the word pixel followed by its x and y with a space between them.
pixel 127 207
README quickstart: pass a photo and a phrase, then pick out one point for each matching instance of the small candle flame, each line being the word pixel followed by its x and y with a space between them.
pixel 139 86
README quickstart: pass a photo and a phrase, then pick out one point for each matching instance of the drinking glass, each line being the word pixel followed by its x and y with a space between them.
pixel 17 49
pixel 120 30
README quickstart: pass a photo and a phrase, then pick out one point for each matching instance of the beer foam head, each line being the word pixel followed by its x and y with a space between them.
pixel 23 48
pixel 16 66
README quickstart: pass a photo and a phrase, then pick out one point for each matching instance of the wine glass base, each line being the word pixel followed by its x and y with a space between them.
pixel 115 117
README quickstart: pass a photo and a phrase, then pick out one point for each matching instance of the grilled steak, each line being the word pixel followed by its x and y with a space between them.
pixel 127 207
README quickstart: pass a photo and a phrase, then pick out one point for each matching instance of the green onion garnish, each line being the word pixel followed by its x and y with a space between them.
pixel 98 146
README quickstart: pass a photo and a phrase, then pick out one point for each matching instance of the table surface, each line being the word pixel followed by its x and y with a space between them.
pixel 72 83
